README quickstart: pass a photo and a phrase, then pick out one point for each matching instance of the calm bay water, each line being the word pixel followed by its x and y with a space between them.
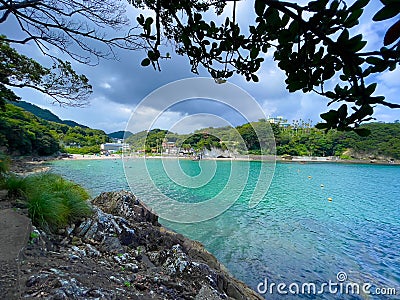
pixel 294 234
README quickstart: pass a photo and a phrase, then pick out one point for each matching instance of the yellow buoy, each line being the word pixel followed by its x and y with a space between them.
pixel 329 199
pixel 309 177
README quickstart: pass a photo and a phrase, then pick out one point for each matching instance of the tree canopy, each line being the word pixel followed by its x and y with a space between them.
pixel 83 30
pixel 314 44
pixel 60 82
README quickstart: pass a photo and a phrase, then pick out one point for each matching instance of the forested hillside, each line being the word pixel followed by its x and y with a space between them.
pixel 302 140
pixel 120 135
pixel 384 140
pixel 152 140
pixel 23 133
pixel 45 114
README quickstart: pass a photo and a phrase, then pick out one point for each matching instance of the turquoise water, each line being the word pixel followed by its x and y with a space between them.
pixel 294 234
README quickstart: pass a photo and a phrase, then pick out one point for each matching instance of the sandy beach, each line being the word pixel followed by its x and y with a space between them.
pixel 91 157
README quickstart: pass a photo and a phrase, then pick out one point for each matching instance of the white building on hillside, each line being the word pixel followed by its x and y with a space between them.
pixel 279 120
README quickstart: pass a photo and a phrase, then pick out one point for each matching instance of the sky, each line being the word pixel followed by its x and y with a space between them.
pixel 120 87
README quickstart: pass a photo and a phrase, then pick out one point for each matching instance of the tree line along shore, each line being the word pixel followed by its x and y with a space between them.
pixel 23 133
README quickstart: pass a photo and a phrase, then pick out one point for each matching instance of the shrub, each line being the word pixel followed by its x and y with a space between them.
pixel 72 195
pixel 4 165
pixel 53 202
pixel 16 185
pixel 47 210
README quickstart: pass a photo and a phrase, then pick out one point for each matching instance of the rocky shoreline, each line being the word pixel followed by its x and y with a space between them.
pixel 27 165
pixel 121 252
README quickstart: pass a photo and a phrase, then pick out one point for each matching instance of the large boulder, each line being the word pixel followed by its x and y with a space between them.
pixel 126 205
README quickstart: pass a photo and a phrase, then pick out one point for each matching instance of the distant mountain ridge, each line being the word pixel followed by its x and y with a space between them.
pixel 45 114
pixel 120 135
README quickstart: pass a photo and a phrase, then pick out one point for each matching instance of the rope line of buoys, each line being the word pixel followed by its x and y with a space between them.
pixel 322 186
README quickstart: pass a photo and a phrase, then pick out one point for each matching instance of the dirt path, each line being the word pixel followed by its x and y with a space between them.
pixel 14 234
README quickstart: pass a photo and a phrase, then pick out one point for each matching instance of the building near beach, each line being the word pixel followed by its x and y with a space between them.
pixel 170 147
pixel 114 147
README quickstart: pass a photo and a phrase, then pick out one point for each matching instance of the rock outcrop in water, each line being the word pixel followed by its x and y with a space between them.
pixel 122 252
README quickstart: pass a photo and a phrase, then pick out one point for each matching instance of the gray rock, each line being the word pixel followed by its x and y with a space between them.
pixel 72 288
pixel 60 295
pixel 91 232
pixel 122 258
pixel 132 267
pixel 83 227
pixel 111 244
pixel 80 252
pixel 125 204
pixel 70 229
pixel 92 251
pixel 74 257
pixel 158 264
pixel 96 293
pixel 154 256
pixel 208 293
pixel 57 272
pixel 177 260
pixel 36 279
pixel 114 279
pixel 127 236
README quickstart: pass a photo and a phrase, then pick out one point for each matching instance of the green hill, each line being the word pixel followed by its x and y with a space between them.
pixel 297 140
pixel 23 133
pixel 384 141
pixel 120 135
pixel 151 141
pixel 45 114
pixel 38 131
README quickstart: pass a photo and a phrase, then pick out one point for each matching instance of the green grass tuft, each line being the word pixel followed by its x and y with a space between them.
pixel 4 165
pixel 53 202
pixel 47 211
pixel 16 185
